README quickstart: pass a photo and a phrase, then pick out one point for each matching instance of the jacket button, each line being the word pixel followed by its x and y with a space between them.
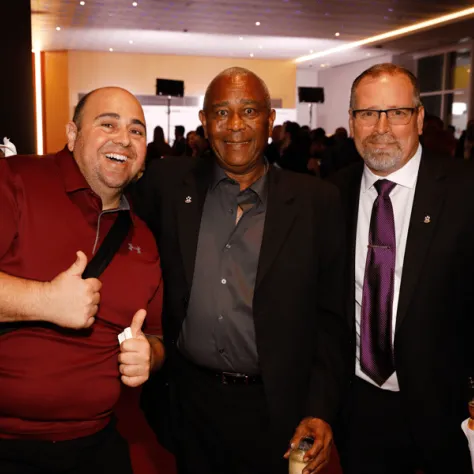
pixel 186 300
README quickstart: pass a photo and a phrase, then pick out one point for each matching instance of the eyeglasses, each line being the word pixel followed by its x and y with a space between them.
pixel 401 116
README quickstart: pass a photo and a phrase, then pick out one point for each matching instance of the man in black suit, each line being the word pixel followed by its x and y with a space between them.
pixel 252 262
pixel 410 280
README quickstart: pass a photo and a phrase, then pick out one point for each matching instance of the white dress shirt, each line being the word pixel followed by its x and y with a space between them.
pixel 402 202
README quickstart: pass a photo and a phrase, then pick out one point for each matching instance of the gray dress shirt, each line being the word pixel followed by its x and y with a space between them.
pixel 218 331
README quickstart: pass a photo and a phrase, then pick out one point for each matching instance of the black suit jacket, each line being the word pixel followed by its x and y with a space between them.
pixel 434 327
pixel 302 340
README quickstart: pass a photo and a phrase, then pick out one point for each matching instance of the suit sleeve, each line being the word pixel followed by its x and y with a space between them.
pixel 145 196
pixel 331 356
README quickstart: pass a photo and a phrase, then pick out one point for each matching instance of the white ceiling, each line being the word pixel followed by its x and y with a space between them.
pixel 288 29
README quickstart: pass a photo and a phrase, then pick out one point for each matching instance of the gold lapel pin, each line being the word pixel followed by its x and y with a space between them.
pixel 427 219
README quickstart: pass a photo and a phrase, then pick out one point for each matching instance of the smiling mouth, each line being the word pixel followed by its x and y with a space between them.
pixel 237 143
pixel 116 157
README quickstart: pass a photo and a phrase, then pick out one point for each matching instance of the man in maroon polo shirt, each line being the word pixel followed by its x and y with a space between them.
pixel 60 370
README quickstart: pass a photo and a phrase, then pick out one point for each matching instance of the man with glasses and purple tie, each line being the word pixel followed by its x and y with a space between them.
pixel 409 278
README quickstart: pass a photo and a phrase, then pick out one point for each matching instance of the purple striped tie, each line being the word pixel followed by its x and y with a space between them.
pixel 376 352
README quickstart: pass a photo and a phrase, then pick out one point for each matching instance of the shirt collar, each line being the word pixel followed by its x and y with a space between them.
pixel 259 186
pixel 405 176
pixel 71 174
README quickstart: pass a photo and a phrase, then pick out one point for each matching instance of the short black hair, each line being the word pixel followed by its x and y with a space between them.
pixel 179 129
pixel 238 71
pixel 77 117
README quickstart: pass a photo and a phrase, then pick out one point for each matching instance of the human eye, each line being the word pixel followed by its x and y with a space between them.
pixel 221 113
pixel 137 131
pixel 249 111
pixel 398 113
pixel 107 125
pixel 366 113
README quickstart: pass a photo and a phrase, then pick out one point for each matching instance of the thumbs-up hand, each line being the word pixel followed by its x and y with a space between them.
pixel 71 301
pixel 135 359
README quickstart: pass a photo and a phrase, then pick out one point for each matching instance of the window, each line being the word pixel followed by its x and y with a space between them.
pixel 444 80
pixel 430 73
pixel 432 104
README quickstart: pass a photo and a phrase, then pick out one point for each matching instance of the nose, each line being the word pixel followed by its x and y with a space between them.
pixel 382 125
pixel 235 122
pixel 122 137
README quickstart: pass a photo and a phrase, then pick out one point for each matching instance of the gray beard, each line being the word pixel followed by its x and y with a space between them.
pixel 382 161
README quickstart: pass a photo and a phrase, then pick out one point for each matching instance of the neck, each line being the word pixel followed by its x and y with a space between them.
pixel 111 201
pixel 247 179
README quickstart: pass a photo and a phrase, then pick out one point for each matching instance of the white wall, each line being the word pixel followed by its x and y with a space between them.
pixel 189 118
pixel 337 83
pixel 306 78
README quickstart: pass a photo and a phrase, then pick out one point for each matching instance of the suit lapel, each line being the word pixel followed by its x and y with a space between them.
pixel 281 211
pixel 427 206
pixel 351 192
pixel 190 197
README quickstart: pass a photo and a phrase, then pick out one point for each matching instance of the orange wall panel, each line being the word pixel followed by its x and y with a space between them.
pixel 138 73
pixel 56 99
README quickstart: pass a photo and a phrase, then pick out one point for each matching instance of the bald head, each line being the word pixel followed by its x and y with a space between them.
pixel 237 74
pixel 79 110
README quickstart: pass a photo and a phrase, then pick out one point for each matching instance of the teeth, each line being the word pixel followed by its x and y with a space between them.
pixel 116 157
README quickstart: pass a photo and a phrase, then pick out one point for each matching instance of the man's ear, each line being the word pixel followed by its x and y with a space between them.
pixel 271 121
pixel 202 118
pixel 71 133
pixel 351 124
pixel 420 119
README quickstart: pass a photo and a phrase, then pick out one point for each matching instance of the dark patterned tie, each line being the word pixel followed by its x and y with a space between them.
pixel 376 352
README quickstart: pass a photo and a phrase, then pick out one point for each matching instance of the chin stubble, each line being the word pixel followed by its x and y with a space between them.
pixel 380 159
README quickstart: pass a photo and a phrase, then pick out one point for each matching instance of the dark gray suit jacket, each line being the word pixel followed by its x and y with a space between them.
pixel 302 339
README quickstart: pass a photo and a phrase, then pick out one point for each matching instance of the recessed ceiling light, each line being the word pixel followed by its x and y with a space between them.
pixel 131 41
pixel 135 4
pixel 241 38
pixel 389 34
pixel 310 50
pixel 251 55
pixel 337 34
pixel 260 46
pixel 257 23
pixel 368 54
pixel 111 50
pixel 58 28
pixel 82 3
pixel 323 65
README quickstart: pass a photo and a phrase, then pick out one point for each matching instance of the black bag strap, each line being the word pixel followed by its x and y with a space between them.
pixel 97 264
pixel 109 247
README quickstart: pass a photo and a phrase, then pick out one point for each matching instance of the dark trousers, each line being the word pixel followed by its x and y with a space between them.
pixel 102 452
pixel 222 428
pixel 378 439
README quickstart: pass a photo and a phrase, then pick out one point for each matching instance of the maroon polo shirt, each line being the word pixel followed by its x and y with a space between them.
pixel 58 384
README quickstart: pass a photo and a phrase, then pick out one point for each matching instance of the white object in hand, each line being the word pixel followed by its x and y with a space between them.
pixel 124 335
pixel 8 147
